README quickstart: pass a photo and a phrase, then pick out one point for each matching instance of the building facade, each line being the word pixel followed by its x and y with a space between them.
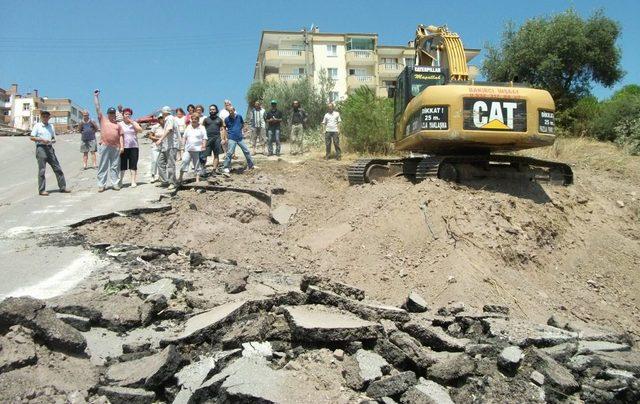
pixel 352 60
pixel 24 111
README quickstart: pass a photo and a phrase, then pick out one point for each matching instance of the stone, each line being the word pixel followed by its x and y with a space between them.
pixel 455 330
pixel 453 370
pixel 415 303
pixel 629 361
pixel 256 327
pixel 149 372
pixel 387 400
pixel 236 282
pixel 391 353
pixel 120 313
pixel 323 324
pixel 17 349
pixel 426 392
pixel 283 214
pixel 495 308
pixel 537 378
pixel 590 347
pixel 164 286
pixel 562 352
pixel 523 334
pixel 135 346
pixel 150 308
pixel 364 367
pixel 559 378
pixel 480 349
pixel 33 314
pixel 192 376
pixel 338 354
pixel 616 373
pixel 256 348
pixel 200 324
pixel 434 337
pixel 196 258
pixel 251 380
pixel 415 353
pixel 391 385
pixel 119 280
pixel 77 322
pixel 509 359
pixel 451 309
pixel 339 288
pixel 589 332
pixel 372 311
pixel 125 395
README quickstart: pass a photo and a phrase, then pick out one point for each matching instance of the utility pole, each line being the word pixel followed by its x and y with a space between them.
pixel 306 51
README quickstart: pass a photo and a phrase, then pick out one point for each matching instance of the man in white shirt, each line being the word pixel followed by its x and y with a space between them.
pixel 44 135
pixel 169 143
pixel 331 127
pixel 256 121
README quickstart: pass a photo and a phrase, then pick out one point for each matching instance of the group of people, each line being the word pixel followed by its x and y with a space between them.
pixel 189 138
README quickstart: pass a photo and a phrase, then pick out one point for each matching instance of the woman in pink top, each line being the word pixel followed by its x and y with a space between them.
pixel 129 158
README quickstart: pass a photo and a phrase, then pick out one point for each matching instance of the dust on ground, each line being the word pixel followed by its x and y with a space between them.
pixel 536 248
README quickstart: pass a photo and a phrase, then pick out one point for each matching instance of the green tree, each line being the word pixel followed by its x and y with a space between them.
pixel 367 121
pixel 563 54
pixel 615 115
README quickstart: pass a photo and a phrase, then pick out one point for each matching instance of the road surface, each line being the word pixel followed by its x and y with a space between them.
pixel 27 266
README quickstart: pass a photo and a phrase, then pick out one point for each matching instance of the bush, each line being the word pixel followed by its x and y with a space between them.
pixel 628 135
pixel 367 122
pixel 616 111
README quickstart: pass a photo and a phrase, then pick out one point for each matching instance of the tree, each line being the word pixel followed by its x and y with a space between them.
pixel 615 115
pixel 367 121
pixel 563 54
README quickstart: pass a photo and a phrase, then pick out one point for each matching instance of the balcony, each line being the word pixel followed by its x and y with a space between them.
pixel 291 77
pixel 390 70
pixel 356 81
pixel 360 57
pixel 278 57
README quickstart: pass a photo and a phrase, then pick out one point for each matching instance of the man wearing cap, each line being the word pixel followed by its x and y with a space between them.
pixel 111 146
pixel 44 135
pixel 88 129
pixel 273 118
pixel 169 143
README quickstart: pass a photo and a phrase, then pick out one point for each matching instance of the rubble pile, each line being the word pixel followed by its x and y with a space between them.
pixel 152 330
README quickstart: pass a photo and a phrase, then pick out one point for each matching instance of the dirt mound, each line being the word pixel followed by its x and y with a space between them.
pixel 535 248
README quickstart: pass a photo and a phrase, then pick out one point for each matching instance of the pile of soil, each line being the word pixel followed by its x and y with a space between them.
pixel 538 249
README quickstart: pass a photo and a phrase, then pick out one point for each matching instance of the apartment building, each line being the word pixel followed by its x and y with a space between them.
pixel 352 60
pixel 25 110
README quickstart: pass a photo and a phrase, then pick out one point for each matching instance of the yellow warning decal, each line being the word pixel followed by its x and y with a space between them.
pixel 495 124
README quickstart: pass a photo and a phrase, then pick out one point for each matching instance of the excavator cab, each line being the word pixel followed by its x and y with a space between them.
pixel 411 82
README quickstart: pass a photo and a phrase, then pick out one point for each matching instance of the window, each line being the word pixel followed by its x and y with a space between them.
pixel 26 107
pixel 390 63
pixel 333 96
pixel 358 72
pixel 332 50
pixel 409 62
pixel 332 73
pixel 299 70
pixel 360 44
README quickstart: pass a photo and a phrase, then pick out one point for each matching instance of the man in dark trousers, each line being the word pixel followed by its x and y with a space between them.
pixel 44 135
pixel 298 120
pixel 273 118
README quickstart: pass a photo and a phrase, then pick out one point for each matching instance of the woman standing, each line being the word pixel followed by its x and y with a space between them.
pixel 130 155
pixel 181 119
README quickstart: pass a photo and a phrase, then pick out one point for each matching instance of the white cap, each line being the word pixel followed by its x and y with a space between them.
pixel 166 110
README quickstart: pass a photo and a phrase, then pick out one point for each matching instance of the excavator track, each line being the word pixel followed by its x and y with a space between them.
pixel 453 168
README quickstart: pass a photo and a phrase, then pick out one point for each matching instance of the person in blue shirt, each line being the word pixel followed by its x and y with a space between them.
pixel 44 136
pixel 235 126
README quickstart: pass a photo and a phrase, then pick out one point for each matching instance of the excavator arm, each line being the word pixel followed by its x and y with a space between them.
pixel 437 46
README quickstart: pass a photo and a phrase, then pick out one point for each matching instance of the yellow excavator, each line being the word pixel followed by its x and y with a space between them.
pixel 449 125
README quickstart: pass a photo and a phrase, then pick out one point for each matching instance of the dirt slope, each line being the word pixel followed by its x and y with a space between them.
pixel 536 248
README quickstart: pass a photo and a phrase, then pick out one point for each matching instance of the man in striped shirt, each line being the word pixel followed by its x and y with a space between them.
pixel 256 121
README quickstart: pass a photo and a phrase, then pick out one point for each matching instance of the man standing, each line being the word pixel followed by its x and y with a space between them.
pixel 273 119
pixel 257 127
pixel 213 125
pixel 169 143
pixel 235 125
pixel 331 128
pixel 88 129
pixel 44 135
pixel 111 146
pixel 119 114
pixel 154 134
pixel 298 120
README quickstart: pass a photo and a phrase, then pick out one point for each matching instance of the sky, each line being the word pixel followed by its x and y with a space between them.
pixel 146 54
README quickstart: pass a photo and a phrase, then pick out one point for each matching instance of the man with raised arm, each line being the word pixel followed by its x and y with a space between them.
pixel 111 146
